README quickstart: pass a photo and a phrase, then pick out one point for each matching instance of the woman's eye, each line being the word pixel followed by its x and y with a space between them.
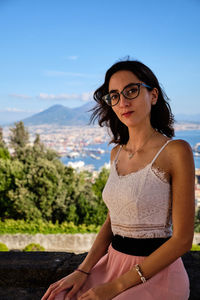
pixel 132 91
pixel 114 97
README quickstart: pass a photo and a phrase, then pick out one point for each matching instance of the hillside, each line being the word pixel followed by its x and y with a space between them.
pixel 61 115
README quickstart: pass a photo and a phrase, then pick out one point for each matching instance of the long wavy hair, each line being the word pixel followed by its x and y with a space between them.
pixel 161 117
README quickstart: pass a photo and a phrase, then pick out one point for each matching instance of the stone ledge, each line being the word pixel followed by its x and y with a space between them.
pixel 25 276
pixel 60 242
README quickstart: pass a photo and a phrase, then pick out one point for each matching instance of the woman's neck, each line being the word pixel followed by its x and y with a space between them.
pixel 138 136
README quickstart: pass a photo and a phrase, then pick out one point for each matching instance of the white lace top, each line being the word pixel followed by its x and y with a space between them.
pixel 139 203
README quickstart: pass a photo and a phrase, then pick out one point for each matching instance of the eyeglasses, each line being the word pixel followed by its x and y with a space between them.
pixel 130 92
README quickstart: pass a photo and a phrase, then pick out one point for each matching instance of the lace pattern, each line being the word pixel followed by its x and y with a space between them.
pixel 139 203
pixel 160 174
pixel 148 233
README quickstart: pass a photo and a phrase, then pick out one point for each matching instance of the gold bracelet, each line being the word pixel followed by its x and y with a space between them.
pixel 143 279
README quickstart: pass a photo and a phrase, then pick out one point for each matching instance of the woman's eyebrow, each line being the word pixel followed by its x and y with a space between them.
pixel 112 91
pixel 132 83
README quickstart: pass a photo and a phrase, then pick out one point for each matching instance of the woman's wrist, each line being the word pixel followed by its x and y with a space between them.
pixel 118 286
pixel 113 288
pixel 82 271
pixel 127 280
pixel 86 268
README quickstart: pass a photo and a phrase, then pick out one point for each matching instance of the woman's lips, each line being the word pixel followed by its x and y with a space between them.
pixel 127 114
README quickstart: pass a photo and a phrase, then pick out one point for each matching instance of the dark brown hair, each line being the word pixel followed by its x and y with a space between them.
pixel 161 118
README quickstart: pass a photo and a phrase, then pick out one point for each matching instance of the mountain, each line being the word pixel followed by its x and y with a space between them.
pixel 62 115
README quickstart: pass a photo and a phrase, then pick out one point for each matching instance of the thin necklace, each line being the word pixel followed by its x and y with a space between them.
pixel 131 153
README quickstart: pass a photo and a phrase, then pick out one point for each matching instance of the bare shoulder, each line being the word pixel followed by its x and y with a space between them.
pixel 179 153
pixel 179 147
pixel 113 152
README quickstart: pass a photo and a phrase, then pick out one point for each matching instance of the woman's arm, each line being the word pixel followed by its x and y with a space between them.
pixel 183 174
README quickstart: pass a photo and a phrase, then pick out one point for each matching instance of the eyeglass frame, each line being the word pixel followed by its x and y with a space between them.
pixel 139 84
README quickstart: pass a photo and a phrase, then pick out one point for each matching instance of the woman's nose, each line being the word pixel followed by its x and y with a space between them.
pixel 123 101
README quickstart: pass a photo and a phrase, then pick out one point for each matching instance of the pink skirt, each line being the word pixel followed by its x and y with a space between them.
pixel 171 283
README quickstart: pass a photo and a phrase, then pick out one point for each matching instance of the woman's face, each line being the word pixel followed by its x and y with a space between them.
pixel 135 111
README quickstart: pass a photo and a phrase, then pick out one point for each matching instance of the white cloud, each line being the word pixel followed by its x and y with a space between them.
pixel 16 110
pixel 46 96
pixel 84 96
pixel 87 96
pixel 21 96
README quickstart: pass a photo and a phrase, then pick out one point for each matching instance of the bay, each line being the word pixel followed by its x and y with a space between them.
pixel 191 136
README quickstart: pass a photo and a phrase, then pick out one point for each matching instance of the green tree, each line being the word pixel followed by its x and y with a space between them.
pixel 197 220
pixel 37 140
pixel 100 182
pixel 4 153
pixel 19 136
pixel 38 146
pixel 2 143
pixel 85 200
pixel 98 187
pixel 31 182
pixel 11 177
pixel 34 184
pixel 32 188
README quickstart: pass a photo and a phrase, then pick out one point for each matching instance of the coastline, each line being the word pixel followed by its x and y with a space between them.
pixel 92 164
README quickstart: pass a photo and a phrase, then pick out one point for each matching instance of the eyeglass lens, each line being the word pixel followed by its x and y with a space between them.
pixel 129 92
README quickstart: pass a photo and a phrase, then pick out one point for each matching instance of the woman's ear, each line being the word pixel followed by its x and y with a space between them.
pixel 154 96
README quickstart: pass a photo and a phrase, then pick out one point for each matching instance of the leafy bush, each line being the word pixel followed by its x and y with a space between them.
pixel 197 228
pixel 33 247
pixel 195 248
pixel 197 221
pixel 3 247
pixel 4 153
pixel 10 226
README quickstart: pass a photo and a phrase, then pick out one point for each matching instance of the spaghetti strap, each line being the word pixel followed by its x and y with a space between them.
pixel 116 157
pixel 160 151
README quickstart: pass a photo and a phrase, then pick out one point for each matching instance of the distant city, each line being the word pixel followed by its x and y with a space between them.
pixel 66 140
pixel 66 130
pixel 74 141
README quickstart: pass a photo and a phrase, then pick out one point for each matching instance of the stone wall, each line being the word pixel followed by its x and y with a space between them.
pixel 76 243
pixel 26 276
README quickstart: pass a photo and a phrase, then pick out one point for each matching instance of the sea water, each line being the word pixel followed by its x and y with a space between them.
pixel 191 136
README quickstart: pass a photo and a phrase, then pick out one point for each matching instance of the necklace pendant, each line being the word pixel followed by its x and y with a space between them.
pixel 130 155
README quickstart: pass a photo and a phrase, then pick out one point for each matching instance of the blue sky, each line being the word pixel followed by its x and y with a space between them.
pixel 57 51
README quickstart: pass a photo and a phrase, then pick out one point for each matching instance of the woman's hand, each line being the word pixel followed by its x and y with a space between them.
pixel 72 283
pixel 105 291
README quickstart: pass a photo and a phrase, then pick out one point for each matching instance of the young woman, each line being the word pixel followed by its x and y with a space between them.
pixel 136 255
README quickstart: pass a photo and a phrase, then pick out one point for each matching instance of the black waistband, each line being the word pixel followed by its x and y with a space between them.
pixel 137 247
